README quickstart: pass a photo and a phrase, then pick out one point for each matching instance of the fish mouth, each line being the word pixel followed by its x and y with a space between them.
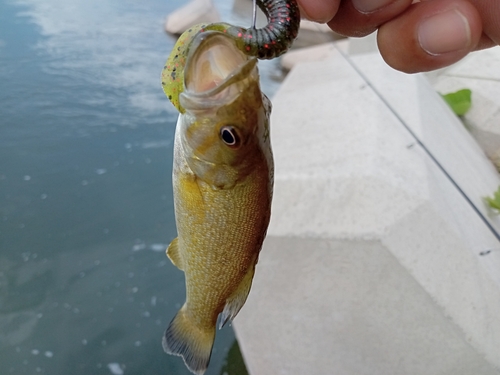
pixel 216 71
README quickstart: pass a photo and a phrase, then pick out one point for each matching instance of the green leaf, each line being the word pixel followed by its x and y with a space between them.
pixel 459 101
pixel 495 201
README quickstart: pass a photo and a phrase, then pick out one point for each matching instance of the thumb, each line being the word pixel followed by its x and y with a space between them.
pixel 430 35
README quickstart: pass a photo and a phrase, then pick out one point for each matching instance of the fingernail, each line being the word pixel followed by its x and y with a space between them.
pixel 368 6
pixel 444 32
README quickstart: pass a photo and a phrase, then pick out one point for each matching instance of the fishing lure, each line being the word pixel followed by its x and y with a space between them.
pixel 283 17
pixel 275 38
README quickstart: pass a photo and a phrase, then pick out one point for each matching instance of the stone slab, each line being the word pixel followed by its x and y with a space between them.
pixel 194 12
pixel 372 263
pixel 319 52
pixel 421 110
pixel 478 72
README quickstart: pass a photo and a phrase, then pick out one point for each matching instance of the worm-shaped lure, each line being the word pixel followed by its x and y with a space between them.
pixel 283 20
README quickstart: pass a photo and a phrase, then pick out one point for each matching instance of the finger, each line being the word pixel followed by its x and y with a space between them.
pixel 362 17
pixel 489 11
pixel 318 10
pixel 430 35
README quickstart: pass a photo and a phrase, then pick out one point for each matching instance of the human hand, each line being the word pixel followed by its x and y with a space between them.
pixel 413 37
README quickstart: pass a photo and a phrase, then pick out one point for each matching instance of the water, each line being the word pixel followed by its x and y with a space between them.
pixel 85 190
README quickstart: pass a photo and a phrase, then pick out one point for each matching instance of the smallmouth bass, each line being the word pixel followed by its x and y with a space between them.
pixel 223 179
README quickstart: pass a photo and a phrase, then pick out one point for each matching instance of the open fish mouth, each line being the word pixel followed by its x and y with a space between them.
pixel 216 71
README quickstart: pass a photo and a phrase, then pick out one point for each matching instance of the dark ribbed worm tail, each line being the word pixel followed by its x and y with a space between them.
pixel 283 20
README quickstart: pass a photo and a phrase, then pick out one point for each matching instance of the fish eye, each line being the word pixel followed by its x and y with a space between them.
pixel 229 136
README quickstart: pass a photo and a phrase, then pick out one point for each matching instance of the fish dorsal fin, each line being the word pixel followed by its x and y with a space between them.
pixel 236 300
pixel 174 254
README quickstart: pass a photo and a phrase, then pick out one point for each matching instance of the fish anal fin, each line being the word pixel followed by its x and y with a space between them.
pixel 189 341
pixel 174 254
pixel 236 301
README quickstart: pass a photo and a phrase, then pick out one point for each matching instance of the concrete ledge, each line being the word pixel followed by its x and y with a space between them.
pixel 316 53
pixel 312 33
pixel 194 12
pixel 421 110
pixel 478 72
pixel 372 265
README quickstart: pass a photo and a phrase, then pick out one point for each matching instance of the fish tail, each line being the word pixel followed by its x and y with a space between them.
pixel 193 343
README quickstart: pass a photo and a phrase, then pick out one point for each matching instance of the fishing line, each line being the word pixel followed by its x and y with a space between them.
pixel 426 150
pixel 254 18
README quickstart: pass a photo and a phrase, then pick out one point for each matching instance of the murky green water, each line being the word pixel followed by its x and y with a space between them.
pixel 85 190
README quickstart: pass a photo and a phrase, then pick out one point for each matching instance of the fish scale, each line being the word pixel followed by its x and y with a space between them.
pixel 240 215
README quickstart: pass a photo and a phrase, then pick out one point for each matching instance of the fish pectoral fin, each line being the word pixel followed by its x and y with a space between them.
pixel 186 339
pixel 174 254
pixel 236 301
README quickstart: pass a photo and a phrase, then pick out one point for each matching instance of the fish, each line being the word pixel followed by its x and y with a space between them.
pixel 223 170
pixel 223 184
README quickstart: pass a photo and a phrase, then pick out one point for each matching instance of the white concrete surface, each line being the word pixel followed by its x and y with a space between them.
pixel 328 50
pixel 313 33
pixel 371 264
pixel 434 124
pixel 480 72
pixel 194 12
pixel 315 53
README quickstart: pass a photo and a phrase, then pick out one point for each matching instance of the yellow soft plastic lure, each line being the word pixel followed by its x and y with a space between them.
pixel 266 43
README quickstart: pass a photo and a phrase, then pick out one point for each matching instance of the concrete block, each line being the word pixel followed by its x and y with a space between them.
pixel 319 52
pixel 357 46
pixel 435 127
pixel 194 12
pixel 312 33
pixel 478 72
pixel 371 264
